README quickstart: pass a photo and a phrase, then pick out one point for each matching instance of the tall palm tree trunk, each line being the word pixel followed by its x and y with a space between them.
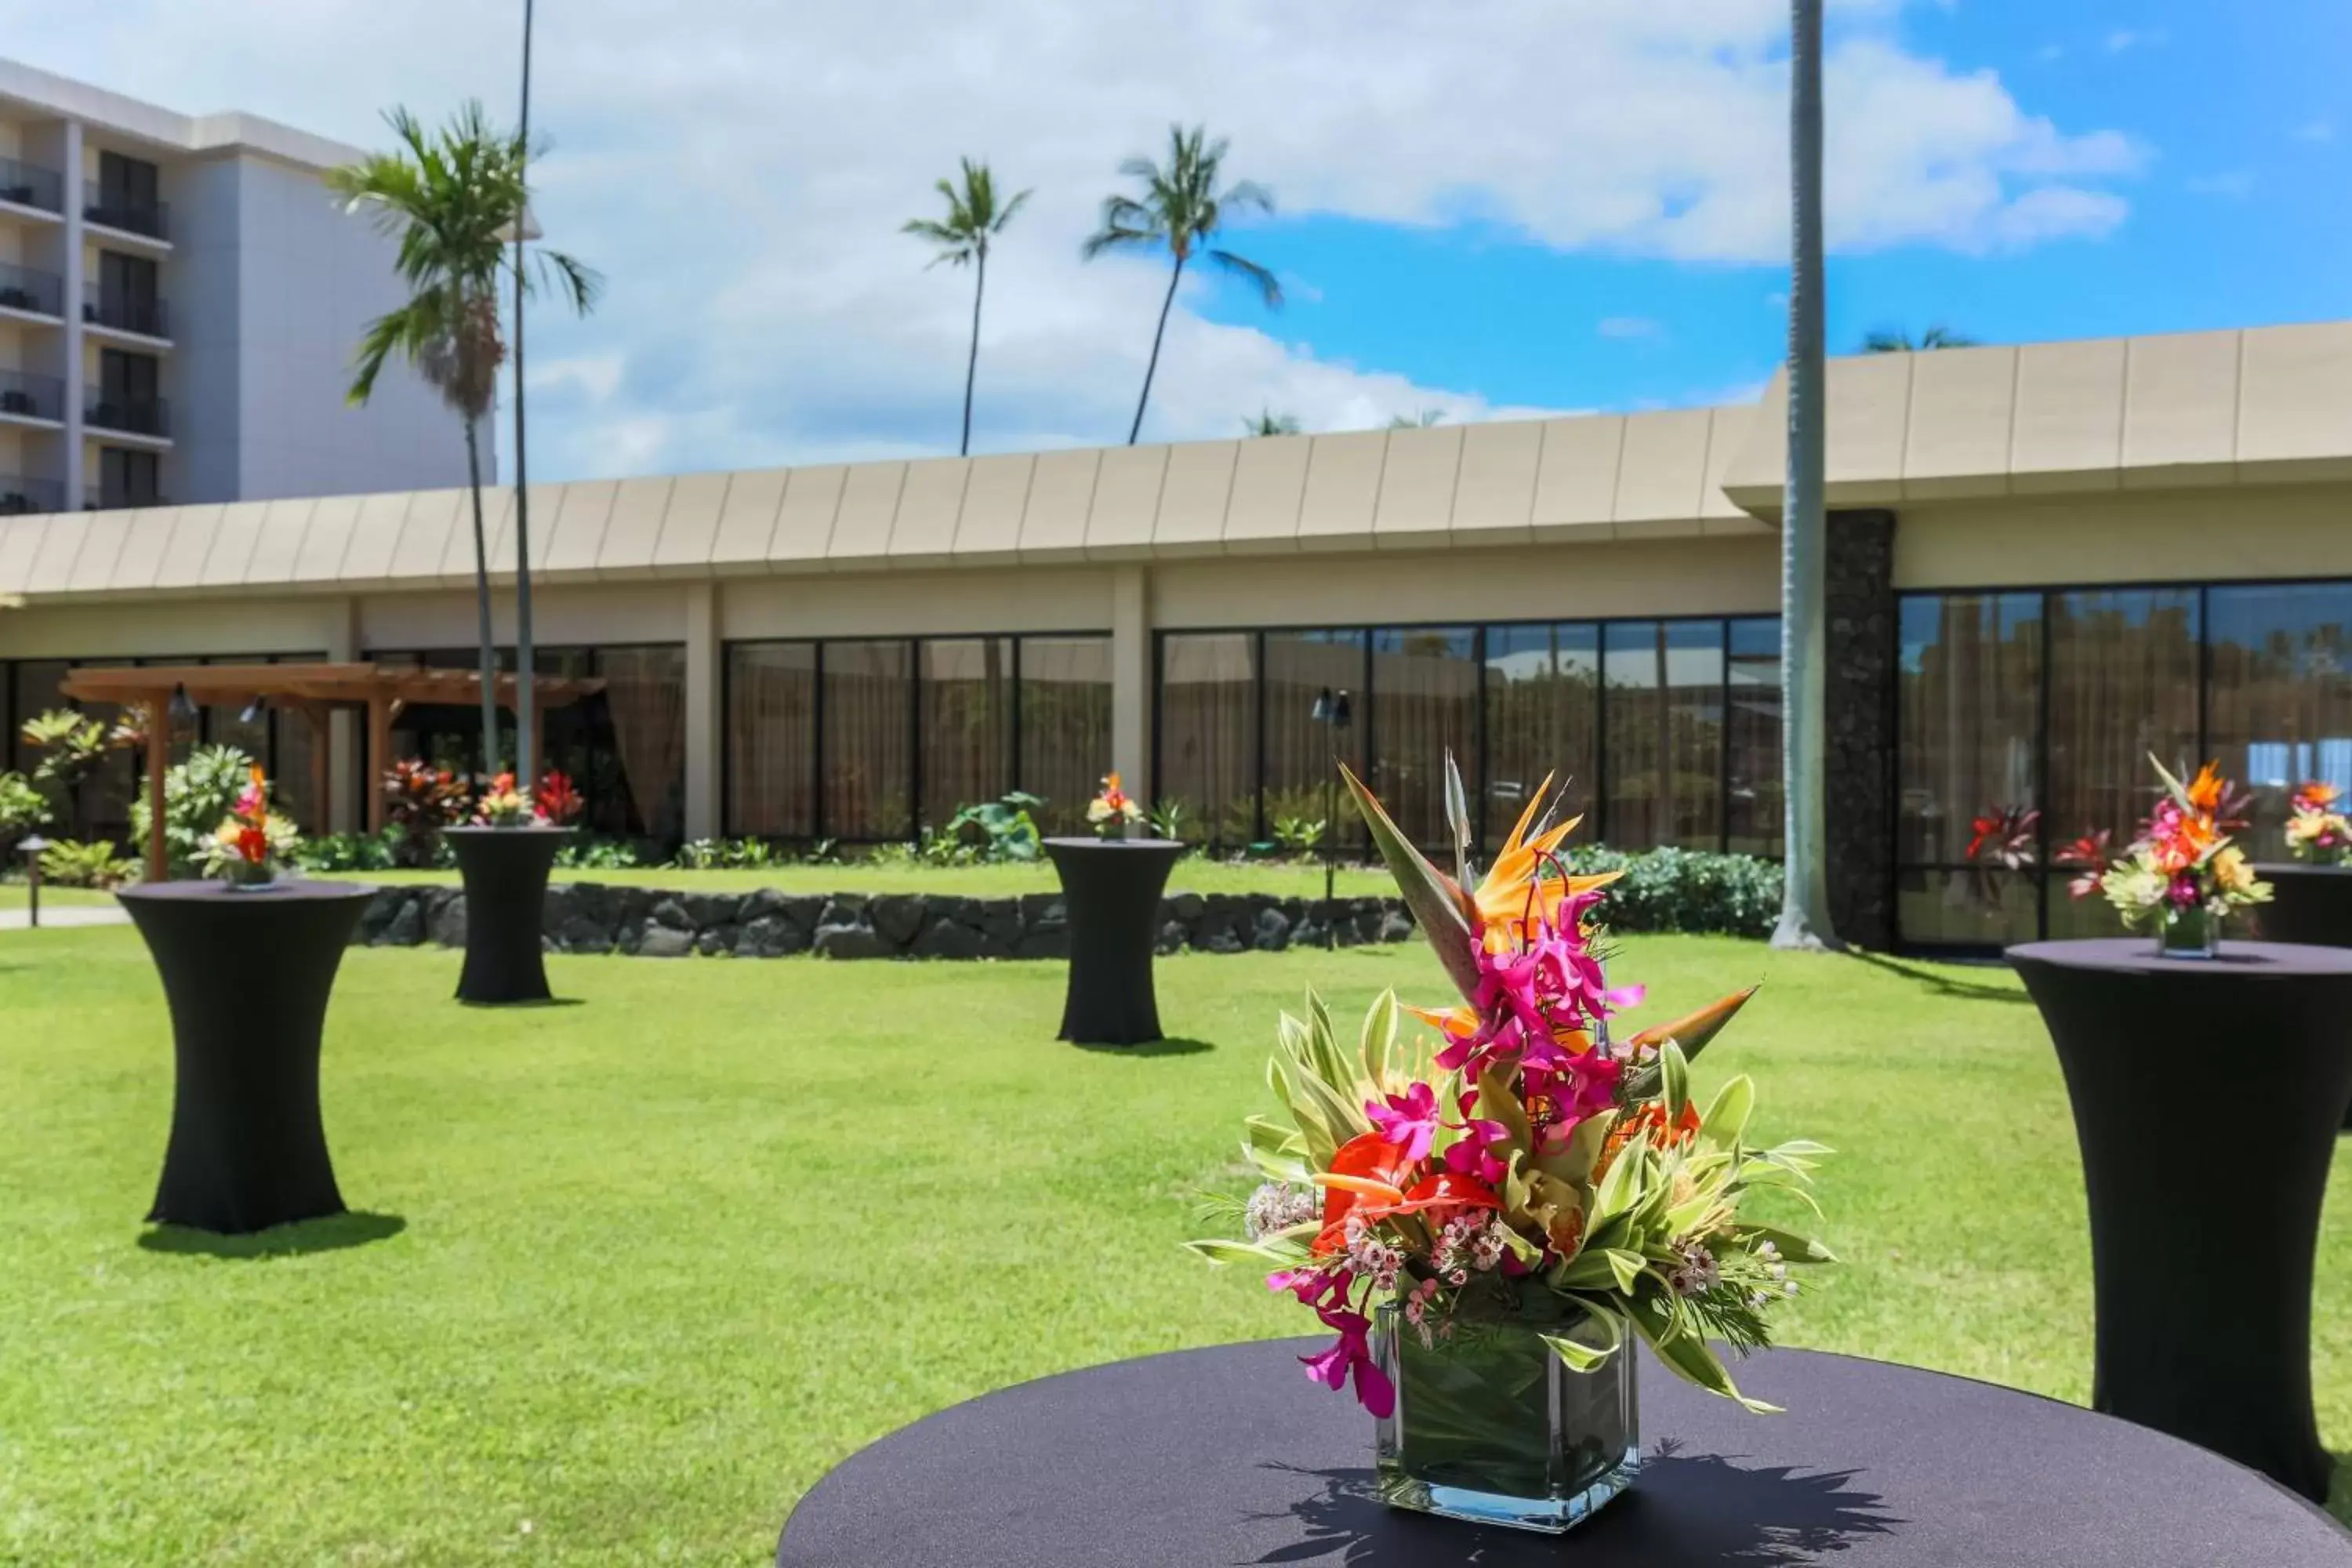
pixel 1175 275
pixel 526 670
pixel 972 362
pixel 481 609
pixel 1804 905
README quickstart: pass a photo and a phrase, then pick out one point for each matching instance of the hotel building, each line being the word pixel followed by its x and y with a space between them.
pixel 2046 561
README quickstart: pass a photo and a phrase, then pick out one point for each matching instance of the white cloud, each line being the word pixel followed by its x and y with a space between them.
pixel 1630 327
pixel 739 170
pixel 2320 130
pixel 2124 38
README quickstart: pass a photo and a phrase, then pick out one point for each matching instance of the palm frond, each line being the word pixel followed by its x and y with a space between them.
pixel 1268 287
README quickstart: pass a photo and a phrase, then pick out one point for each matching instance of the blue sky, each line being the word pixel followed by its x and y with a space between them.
pixel 1489 207
pixel 2238 216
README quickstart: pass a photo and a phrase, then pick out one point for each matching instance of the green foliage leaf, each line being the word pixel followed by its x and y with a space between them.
pixel 1581 1357
pixel 1725 1116
pixel 1794 1248
pixel 1673 1081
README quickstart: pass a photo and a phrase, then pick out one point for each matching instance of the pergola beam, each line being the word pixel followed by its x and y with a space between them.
pixel 381 691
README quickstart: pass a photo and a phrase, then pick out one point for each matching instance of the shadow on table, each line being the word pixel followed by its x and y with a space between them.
pixel 1691 1510
pixel 1174 1046
pixel 1944 984
pixel 332 1234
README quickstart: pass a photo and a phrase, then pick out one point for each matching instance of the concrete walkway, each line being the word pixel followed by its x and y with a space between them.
pixel 66 915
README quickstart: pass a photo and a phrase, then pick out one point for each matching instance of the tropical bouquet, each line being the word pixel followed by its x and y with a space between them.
pixel 2181 870
pixel 2315 830
pixel 1112 813
pixel 253 845
pixel 1523 1164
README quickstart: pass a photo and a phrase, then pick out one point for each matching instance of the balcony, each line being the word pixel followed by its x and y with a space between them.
pixel 20 495
pixel 33 293
pixel 29 186
pixel 147 317
pixel 128 213
pixel 130 415
pixel 24 395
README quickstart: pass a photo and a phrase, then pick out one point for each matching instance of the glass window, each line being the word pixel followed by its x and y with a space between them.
pixel 771 740
pixel 2279 700
pixel 644 701
pixel 1066 727
pixel 1753 816
pixel 1300 779
pixel 1968 683
pixel 967 723
pixel 868 720
pixel 34 684
pixel 1662 761
pixel 2123 686
pixel 1543 713
pixel 1425 705
pixel 1208 733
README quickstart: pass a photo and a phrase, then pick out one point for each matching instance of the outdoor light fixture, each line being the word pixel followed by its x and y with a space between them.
pixel 31 850
pixel 184 712
pixel 253 711
pixel 1331 709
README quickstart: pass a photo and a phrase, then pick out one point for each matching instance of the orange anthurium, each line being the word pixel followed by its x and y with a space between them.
pixel 1456 1023
pixel 1365 1168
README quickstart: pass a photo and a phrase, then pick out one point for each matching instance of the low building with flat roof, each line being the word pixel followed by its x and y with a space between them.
pixel 2045 562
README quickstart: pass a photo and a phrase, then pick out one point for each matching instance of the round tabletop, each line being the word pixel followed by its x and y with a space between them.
pixel 1171 848
pixel 1231 1456
pixel 299 890
pixel 2236 960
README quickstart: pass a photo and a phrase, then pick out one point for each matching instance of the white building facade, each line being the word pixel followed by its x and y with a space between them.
pixel 179 300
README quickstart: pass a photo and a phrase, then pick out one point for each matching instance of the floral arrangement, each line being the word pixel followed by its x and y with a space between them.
pixel 2182 867
pixel 1112 813
pixel 1524 1164
pixel 2002 840
pixel 553 804
pixel 558 802
pixel 253 843
pixel 2315 830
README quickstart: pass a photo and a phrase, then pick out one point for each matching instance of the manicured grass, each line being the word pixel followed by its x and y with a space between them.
pixel 1192 874
pixel 646 1265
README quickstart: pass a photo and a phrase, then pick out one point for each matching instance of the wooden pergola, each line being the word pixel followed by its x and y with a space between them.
pixel 314 691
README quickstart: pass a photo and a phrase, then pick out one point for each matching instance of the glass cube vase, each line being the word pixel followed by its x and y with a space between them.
pixel 2190 932
pixel 1490 1425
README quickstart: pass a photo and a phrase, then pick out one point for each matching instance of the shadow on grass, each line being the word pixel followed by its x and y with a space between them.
pixel 1175 1045
pixel 1944 984
pixel 524 1006
pixel 332 1234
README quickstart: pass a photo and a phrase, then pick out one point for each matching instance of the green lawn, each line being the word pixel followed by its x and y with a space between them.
pixel 1192 875
pixel 662 1257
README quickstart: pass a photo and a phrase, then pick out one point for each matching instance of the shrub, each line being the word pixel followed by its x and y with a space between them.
pixel 422 798
pixel 1672 889
pixel 22 808
pixel 598 854
pixel 352 851
pixel 990 832
pixel 71 747
pixel 728 854
pixel 197 795
pixel 70 863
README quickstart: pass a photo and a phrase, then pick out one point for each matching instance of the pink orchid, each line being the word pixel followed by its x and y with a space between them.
pixel 1352 1356
pixel 1408 1121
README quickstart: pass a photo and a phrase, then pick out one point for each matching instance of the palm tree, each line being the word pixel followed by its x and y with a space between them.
pixel 973 219
pixel 447 198
pixel 1427 419
pixel 1804 903
pixel 453 199
pixel 1895 341
pixel 1181 209
pixel 1267 422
